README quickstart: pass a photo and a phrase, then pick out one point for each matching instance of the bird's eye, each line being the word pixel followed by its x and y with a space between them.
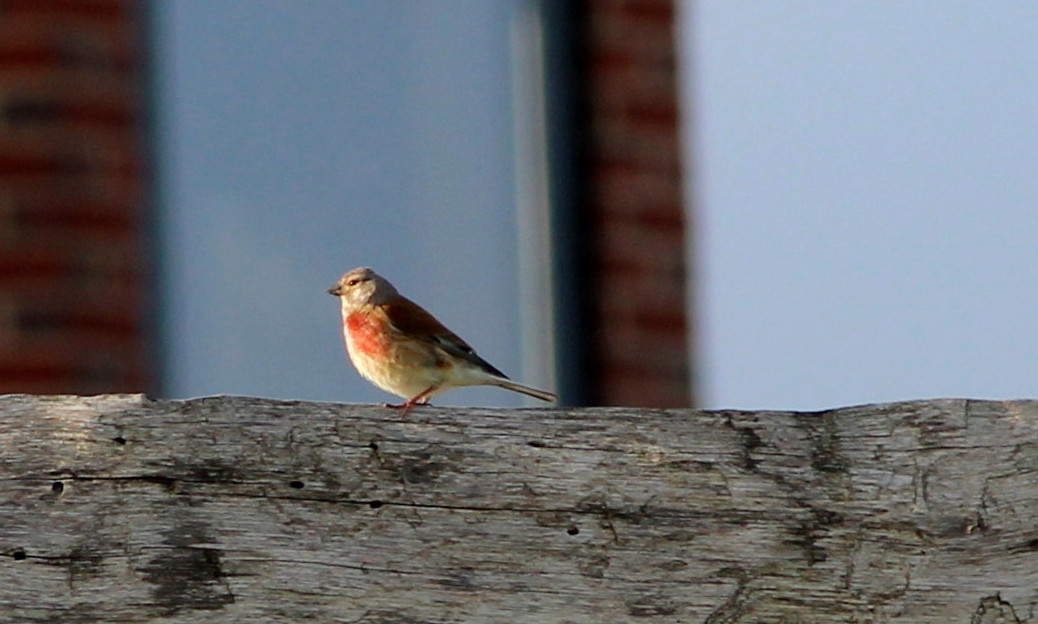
pixel 353 282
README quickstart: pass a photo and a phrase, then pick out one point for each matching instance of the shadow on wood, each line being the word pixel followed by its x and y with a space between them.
pixel 229 509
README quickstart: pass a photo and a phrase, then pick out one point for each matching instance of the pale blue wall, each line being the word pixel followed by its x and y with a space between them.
pixel 300 139
pixel 868 199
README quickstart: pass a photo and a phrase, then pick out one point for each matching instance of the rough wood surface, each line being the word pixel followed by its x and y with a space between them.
pixel 226 509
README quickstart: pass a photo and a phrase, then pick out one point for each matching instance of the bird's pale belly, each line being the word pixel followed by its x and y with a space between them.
pixel 392 365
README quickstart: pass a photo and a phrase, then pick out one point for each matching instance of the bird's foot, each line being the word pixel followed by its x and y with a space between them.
pixel 421 398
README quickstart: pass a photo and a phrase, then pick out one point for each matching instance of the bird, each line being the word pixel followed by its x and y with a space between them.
pixel 401 348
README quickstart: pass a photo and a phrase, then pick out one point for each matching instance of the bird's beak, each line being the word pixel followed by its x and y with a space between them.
pixel 335 290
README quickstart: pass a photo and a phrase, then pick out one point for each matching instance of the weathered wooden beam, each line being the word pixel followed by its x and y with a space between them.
pixel 230 509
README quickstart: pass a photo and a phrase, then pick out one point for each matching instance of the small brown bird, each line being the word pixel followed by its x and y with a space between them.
pixel 404 350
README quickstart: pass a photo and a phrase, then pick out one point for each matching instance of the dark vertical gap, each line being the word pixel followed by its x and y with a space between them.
pixel 153 283
pixel 565 33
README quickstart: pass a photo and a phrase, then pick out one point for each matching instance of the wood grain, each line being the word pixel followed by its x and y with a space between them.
pixel 230 509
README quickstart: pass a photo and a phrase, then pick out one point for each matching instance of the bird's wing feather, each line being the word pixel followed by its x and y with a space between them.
pixel 410 318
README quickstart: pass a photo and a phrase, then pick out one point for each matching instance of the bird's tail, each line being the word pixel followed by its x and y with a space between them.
pixel 518 387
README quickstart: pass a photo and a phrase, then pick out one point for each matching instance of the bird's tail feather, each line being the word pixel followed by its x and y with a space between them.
pixel 518 387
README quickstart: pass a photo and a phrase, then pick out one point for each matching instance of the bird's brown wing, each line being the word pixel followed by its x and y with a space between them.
pixel 410 318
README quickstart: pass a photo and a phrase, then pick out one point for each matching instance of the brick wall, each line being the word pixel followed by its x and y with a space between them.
pixel 637 223
pixel 71 261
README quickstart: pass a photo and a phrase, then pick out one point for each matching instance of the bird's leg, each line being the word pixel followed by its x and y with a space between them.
pixel 422 398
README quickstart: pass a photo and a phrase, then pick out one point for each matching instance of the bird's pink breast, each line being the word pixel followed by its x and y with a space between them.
pixel 365 334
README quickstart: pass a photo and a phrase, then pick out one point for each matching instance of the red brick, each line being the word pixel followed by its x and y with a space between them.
pixel 71 290
pixel 643 195
pixel 105 10
pixel 660 12
pixel 636 212
pixel 62 369
pixel 113 221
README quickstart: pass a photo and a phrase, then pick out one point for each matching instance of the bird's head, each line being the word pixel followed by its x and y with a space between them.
pixel 361 287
